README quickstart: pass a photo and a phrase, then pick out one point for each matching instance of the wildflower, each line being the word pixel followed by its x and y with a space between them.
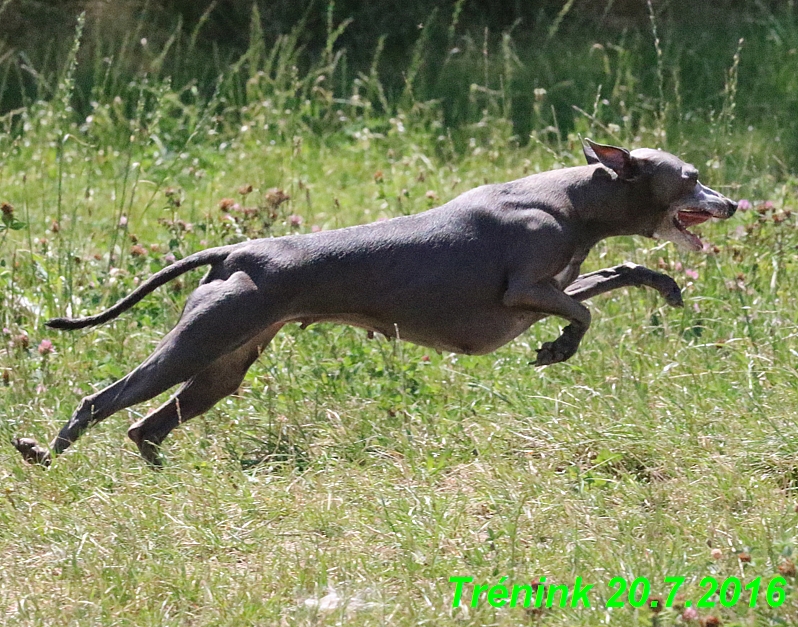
pixel 55 227
pixel 315 228
pixel 169 258
pixel 716 554
pixel 122 221
pixel 744 557
pixel 6 378
pixel 743 205
pixel 690 613
pixel 711 621
pixel 245 189
pixel 425 358
pixel 276 197
pixel 227 204
pixel 378 176
pixel 693 274
pixel 45 347
pixel 431 195
pixel 295 221
pixel 137 250
pixel 21 340
pixel 7 209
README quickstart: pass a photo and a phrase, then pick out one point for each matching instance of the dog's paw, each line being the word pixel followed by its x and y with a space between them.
pixel 150 451
pixel 547 355
pixel 151 454
pixel 31 451
pixel 555 352
pixel 672 294
pixel 564 347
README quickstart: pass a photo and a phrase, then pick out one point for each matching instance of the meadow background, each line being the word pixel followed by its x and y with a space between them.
pixel 351 478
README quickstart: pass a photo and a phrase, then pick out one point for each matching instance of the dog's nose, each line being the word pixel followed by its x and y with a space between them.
pixel 732 206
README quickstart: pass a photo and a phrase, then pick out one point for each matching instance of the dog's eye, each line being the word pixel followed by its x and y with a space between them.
pixel 691 176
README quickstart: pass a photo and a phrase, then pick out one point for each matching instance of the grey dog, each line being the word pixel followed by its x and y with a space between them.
pixel 466 277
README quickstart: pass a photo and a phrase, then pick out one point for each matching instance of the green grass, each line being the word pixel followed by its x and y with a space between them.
pixel 375 469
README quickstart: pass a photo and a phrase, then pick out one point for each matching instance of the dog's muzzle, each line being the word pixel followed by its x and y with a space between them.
pixel 701 205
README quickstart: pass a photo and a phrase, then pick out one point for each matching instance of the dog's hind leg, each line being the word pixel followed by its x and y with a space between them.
pixel 219 317
pixel 198 395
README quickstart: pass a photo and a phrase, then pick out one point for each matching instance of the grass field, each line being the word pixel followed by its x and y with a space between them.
pixel 351 479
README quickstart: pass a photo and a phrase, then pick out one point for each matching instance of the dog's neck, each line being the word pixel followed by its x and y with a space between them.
pixel 601 206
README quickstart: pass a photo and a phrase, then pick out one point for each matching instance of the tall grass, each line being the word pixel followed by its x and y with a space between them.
pixel 350 479
pixel 683 68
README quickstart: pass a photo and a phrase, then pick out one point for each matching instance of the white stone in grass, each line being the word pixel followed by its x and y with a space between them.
pixel 333 601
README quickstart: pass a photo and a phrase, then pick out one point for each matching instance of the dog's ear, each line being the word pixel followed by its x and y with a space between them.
pixel 616 159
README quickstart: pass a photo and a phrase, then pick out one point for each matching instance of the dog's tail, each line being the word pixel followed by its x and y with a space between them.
pixel 202 258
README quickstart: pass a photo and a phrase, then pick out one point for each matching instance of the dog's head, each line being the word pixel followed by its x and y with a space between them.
pixel 678 200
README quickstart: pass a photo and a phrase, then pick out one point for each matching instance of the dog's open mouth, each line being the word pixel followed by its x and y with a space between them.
pixel 685 218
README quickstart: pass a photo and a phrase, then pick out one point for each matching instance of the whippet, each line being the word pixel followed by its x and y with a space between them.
pixel 467 277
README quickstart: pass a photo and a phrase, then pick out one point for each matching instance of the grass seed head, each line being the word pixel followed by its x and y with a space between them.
pixel 275 197
pixel 787 568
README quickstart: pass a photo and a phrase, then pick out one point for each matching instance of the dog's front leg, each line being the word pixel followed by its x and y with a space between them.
pixel 546 298
pixel 626 275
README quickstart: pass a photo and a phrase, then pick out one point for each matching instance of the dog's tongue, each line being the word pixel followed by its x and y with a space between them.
pixel 681 221
pixel 691 218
